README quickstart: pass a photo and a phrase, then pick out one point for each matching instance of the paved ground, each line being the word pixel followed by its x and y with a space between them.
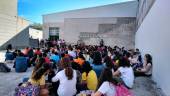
pixel 8 81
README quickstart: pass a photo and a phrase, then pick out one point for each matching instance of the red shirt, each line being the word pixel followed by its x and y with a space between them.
pixel 47 60
pixel 37 52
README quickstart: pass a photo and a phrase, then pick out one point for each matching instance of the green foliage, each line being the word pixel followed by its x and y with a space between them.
pixel 37 26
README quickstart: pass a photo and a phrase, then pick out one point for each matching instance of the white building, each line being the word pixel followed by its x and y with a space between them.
pixel 35 34
pixel 109 22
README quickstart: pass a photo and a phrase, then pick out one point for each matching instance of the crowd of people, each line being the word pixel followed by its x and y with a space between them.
pixel 66 70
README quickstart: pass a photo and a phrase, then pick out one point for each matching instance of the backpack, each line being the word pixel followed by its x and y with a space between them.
pixel 121 90
pixel 4 68
pixel 27 89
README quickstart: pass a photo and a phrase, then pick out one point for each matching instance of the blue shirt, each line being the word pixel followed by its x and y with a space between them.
pixel 54 57
pixel 98 69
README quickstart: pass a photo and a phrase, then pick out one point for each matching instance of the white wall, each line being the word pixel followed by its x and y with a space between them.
pixel 35 34
pixel 126 9
pixel 153 37
pixel 122 34
pixel 8 7
pixel 22 24
pixel 8 19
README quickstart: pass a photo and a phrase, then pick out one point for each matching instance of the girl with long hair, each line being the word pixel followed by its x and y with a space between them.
pixel 146 70
pixel 125 72
pixel 106 84
pixel 67 79
pixel 38 78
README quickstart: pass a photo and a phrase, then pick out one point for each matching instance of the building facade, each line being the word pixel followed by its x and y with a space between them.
pixel 35 34
pixel 8 20
pixel 114 23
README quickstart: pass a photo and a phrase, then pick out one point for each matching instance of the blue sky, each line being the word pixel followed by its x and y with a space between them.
pixel 34 9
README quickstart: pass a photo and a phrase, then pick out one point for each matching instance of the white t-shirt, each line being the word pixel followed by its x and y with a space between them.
pixel 87 57
pixel 107 89
pixel 72 53
pixel 66 87
pixel 127 75
pixel 133 60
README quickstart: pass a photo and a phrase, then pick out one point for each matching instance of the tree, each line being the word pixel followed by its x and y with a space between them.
pixel 37 26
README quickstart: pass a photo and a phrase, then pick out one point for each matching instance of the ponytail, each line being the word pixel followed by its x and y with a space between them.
pixel 69 72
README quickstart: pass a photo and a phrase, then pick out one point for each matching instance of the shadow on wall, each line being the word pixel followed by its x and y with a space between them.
pixel 144 8
pixel 20 40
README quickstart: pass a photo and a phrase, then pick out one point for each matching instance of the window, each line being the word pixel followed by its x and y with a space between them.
pixel 54 31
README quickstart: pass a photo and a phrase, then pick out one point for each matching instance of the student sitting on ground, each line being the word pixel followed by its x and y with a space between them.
pixel 146 70
pixel 55 57
pixel 19 54
pixel 38 78
pixel 80 60
pixel 86 55
pixel 108 63
pixel 37 51
pixel 106 86
pixel 38 64
pixel 89 77
pixel 67 79
pixel 9 55
pixel 125 72
pixel 71 52
pixel 77 67
pixel 97 63
pixel 46 58
pixel 134 61
pixel 25 51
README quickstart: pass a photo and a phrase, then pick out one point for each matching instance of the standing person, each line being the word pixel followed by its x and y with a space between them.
pixel 125 72
pixel 101 43
pixel 67 79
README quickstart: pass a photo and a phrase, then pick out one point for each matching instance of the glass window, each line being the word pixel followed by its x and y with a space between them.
pixel 54 31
